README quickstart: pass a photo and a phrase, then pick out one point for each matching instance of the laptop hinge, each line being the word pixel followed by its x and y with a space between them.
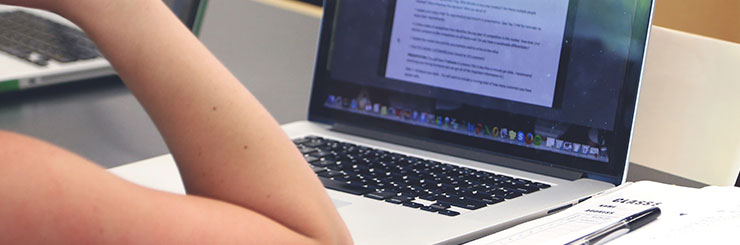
pixel 461 152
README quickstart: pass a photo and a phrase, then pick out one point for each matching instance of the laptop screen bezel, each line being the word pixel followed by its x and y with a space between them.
pixel 615 172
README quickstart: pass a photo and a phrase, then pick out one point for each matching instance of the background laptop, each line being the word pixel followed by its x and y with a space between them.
pixel 39 48
pixel 442 121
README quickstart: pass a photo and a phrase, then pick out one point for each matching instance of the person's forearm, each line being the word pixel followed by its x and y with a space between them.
pixel 226 144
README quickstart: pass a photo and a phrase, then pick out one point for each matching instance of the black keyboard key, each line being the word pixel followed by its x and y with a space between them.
pixel 343 187
pixel 381 195
pixel 399 199
pixel 300 141
pixel 343 178
pixel 497 193
pixel 330 173
pixel 413 204
pixel 317 169
pixel 306 150
pixel 491 200
pixel 440 206
pixel 320 154
pixel 429 209
pixel 311 159
pixel 323 163
pixel 512 195
pixel 511 190
pixel 542 186
pixel 431 198
pixel 449 212
pixel 462 202
pixel 313 144
pixel 528 189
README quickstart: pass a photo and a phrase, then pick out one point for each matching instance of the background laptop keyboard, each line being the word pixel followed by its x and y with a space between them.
pixel 39 40
pixel 404 180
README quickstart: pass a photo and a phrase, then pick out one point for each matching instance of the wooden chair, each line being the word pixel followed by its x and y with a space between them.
pixel 687 120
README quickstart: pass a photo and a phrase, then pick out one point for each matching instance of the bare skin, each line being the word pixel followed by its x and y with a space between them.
pixel 245 179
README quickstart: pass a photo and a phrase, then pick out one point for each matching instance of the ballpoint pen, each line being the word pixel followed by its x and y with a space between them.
pixel 619 228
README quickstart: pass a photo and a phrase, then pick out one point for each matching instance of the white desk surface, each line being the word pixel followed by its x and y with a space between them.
pixel 159 173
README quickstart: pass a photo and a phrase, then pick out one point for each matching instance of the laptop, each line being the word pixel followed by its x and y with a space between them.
pixel 39 48
pixel 437 121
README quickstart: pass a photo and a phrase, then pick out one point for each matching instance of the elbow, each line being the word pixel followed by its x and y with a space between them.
pixel 338 235
pixel 335 239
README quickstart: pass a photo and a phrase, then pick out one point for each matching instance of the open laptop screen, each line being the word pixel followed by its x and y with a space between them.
pixel 551 81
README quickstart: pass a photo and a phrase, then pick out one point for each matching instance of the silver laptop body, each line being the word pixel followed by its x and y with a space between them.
pixel 386 75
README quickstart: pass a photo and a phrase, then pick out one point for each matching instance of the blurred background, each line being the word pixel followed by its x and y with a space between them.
pixel 712 18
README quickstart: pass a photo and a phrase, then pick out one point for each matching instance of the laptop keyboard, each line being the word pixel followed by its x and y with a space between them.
pixel 39 40
pixel 405 180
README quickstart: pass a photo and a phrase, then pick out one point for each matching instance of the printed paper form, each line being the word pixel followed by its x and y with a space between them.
pixel 712 216
pixel 591 215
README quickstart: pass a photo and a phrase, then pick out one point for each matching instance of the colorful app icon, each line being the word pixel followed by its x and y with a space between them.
pixel 495 132
pixel 399 112
pixel 332 99
pixel 478 129
pixel 568 146
pixel 537 140
pixel 550 142
pixel 368 107
pixel 594 151
pixel 363 102
pixel 512 135
pixel 376 108
pixel 585 149
pixel 504 133
pixel 439 121
pixel 384 110
pixel 559 144
pixel 529 138
pixel 454 124
pixel 354 104
pixel 520 136
pixel 423 117
pixel 447 121
pixel 471 128
pixel 576 147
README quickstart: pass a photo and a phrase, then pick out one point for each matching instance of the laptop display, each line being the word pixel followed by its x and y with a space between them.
pixel 550 82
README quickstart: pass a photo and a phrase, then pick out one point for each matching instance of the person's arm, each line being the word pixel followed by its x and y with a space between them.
pixel 227 146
